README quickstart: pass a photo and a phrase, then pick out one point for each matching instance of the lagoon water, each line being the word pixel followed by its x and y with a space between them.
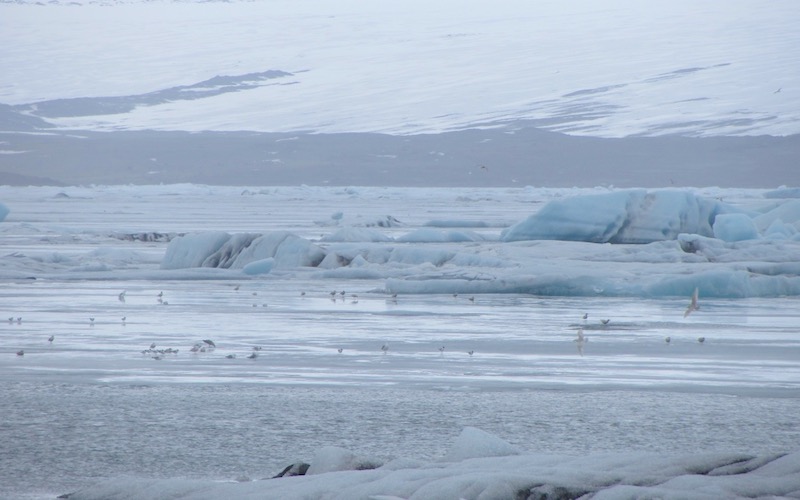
pixel 93 405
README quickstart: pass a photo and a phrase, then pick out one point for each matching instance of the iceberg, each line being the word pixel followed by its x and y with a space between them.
pixel 627 216
pixel 3 212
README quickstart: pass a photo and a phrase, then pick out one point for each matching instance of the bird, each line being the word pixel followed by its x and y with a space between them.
pixel 605 321
pixel 11 319
pixel 580 341
pixel 455 295
pixel 231 356
pixel 385 348
pixel 778 91
pixel 441 349
pixel 701 339
pixel 470 352
pixel 19 320
pixel 302 294
pixel 153 345
pixel 668 340
pixel 585 316
pixel 195 348
pixel 256 347
pixel 472 299
pixel 123 319
pixel 51 338
pixel 253 355
pixel 160 294
pixel 340 350
pixel 210 342
pixel 121 296
pixel 21 352
pixel 91 321
pixel 693 305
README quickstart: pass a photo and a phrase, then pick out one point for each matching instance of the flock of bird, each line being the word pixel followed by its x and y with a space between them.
pixel 208 344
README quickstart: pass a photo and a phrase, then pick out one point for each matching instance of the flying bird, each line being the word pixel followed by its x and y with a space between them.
pixel 693 305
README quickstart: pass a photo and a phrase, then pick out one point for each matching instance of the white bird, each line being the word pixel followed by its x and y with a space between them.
pixel 693 305
pixel 580 341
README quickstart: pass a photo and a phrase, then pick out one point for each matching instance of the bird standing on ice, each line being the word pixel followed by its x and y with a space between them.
pixel 693 305
pixel 51 338
pixel 385 348
pixel 21 352
pixel 121 296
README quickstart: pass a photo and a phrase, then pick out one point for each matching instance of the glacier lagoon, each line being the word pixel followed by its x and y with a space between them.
pixel 99 411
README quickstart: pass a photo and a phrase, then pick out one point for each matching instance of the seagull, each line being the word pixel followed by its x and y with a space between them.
pixel 693 305
pixel 340 350
pixel 472 299
pixel 580 341
pixel 585 316
pixel 455 295
pixel 441 349
pixel 160 294
pixel 605 321
pixel 778 91
pixel 195 348
pixel 153 345
pixel 385 348
pixel 470 352
pixel 11 319
pixel 51 339
pixel 701 339
pixel 21 352
pixel 668 340
pixel 121 296
pixel 210 342
pixel 19 320
pixel 123 319
pixel 302 294
pixel 231 356
pixel 236 287
pixel 91 321
pixel 253 355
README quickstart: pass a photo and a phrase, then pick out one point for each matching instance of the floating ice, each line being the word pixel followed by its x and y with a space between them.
pixel 3 212
pixel 628 216
pixel 734 227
